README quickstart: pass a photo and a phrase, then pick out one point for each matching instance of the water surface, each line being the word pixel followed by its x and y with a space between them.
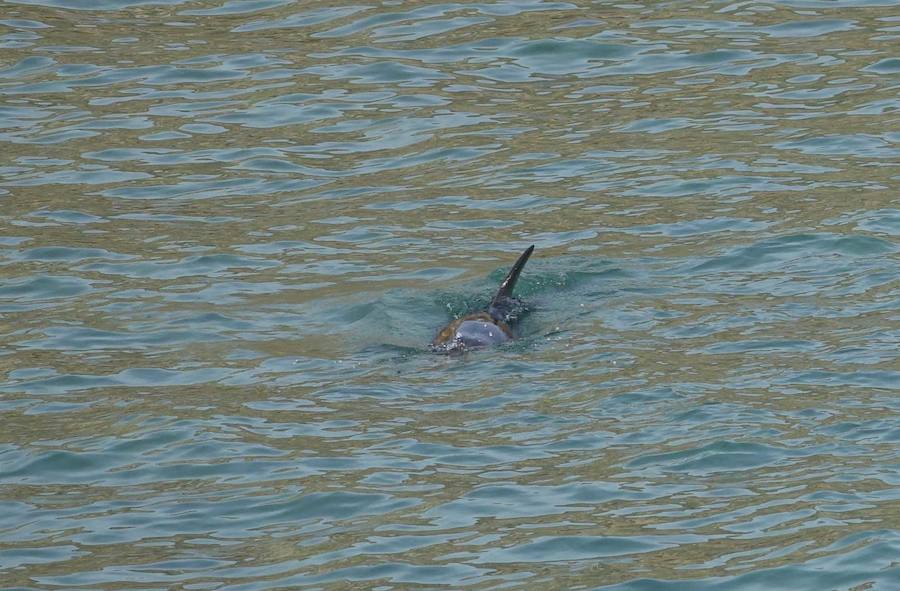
pixel 230 229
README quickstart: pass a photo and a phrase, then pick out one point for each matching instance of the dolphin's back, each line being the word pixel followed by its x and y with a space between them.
pixel 479 333
pixel 488 328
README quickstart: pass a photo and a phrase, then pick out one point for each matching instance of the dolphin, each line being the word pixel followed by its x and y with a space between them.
pixel 487 328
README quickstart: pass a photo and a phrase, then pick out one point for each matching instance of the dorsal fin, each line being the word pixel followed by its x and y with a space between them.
pixel 506 288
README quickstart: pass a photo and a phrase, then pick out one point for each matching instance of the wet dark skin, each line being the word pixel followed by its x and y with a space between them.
pixel 487 328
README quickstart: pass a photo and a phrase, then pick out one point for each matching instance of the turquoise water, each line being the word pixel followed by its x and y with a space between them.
pixel 229 230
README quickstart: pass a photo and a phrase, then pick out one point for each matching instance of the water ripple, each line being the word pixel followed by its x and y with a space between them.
pixel 230 230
